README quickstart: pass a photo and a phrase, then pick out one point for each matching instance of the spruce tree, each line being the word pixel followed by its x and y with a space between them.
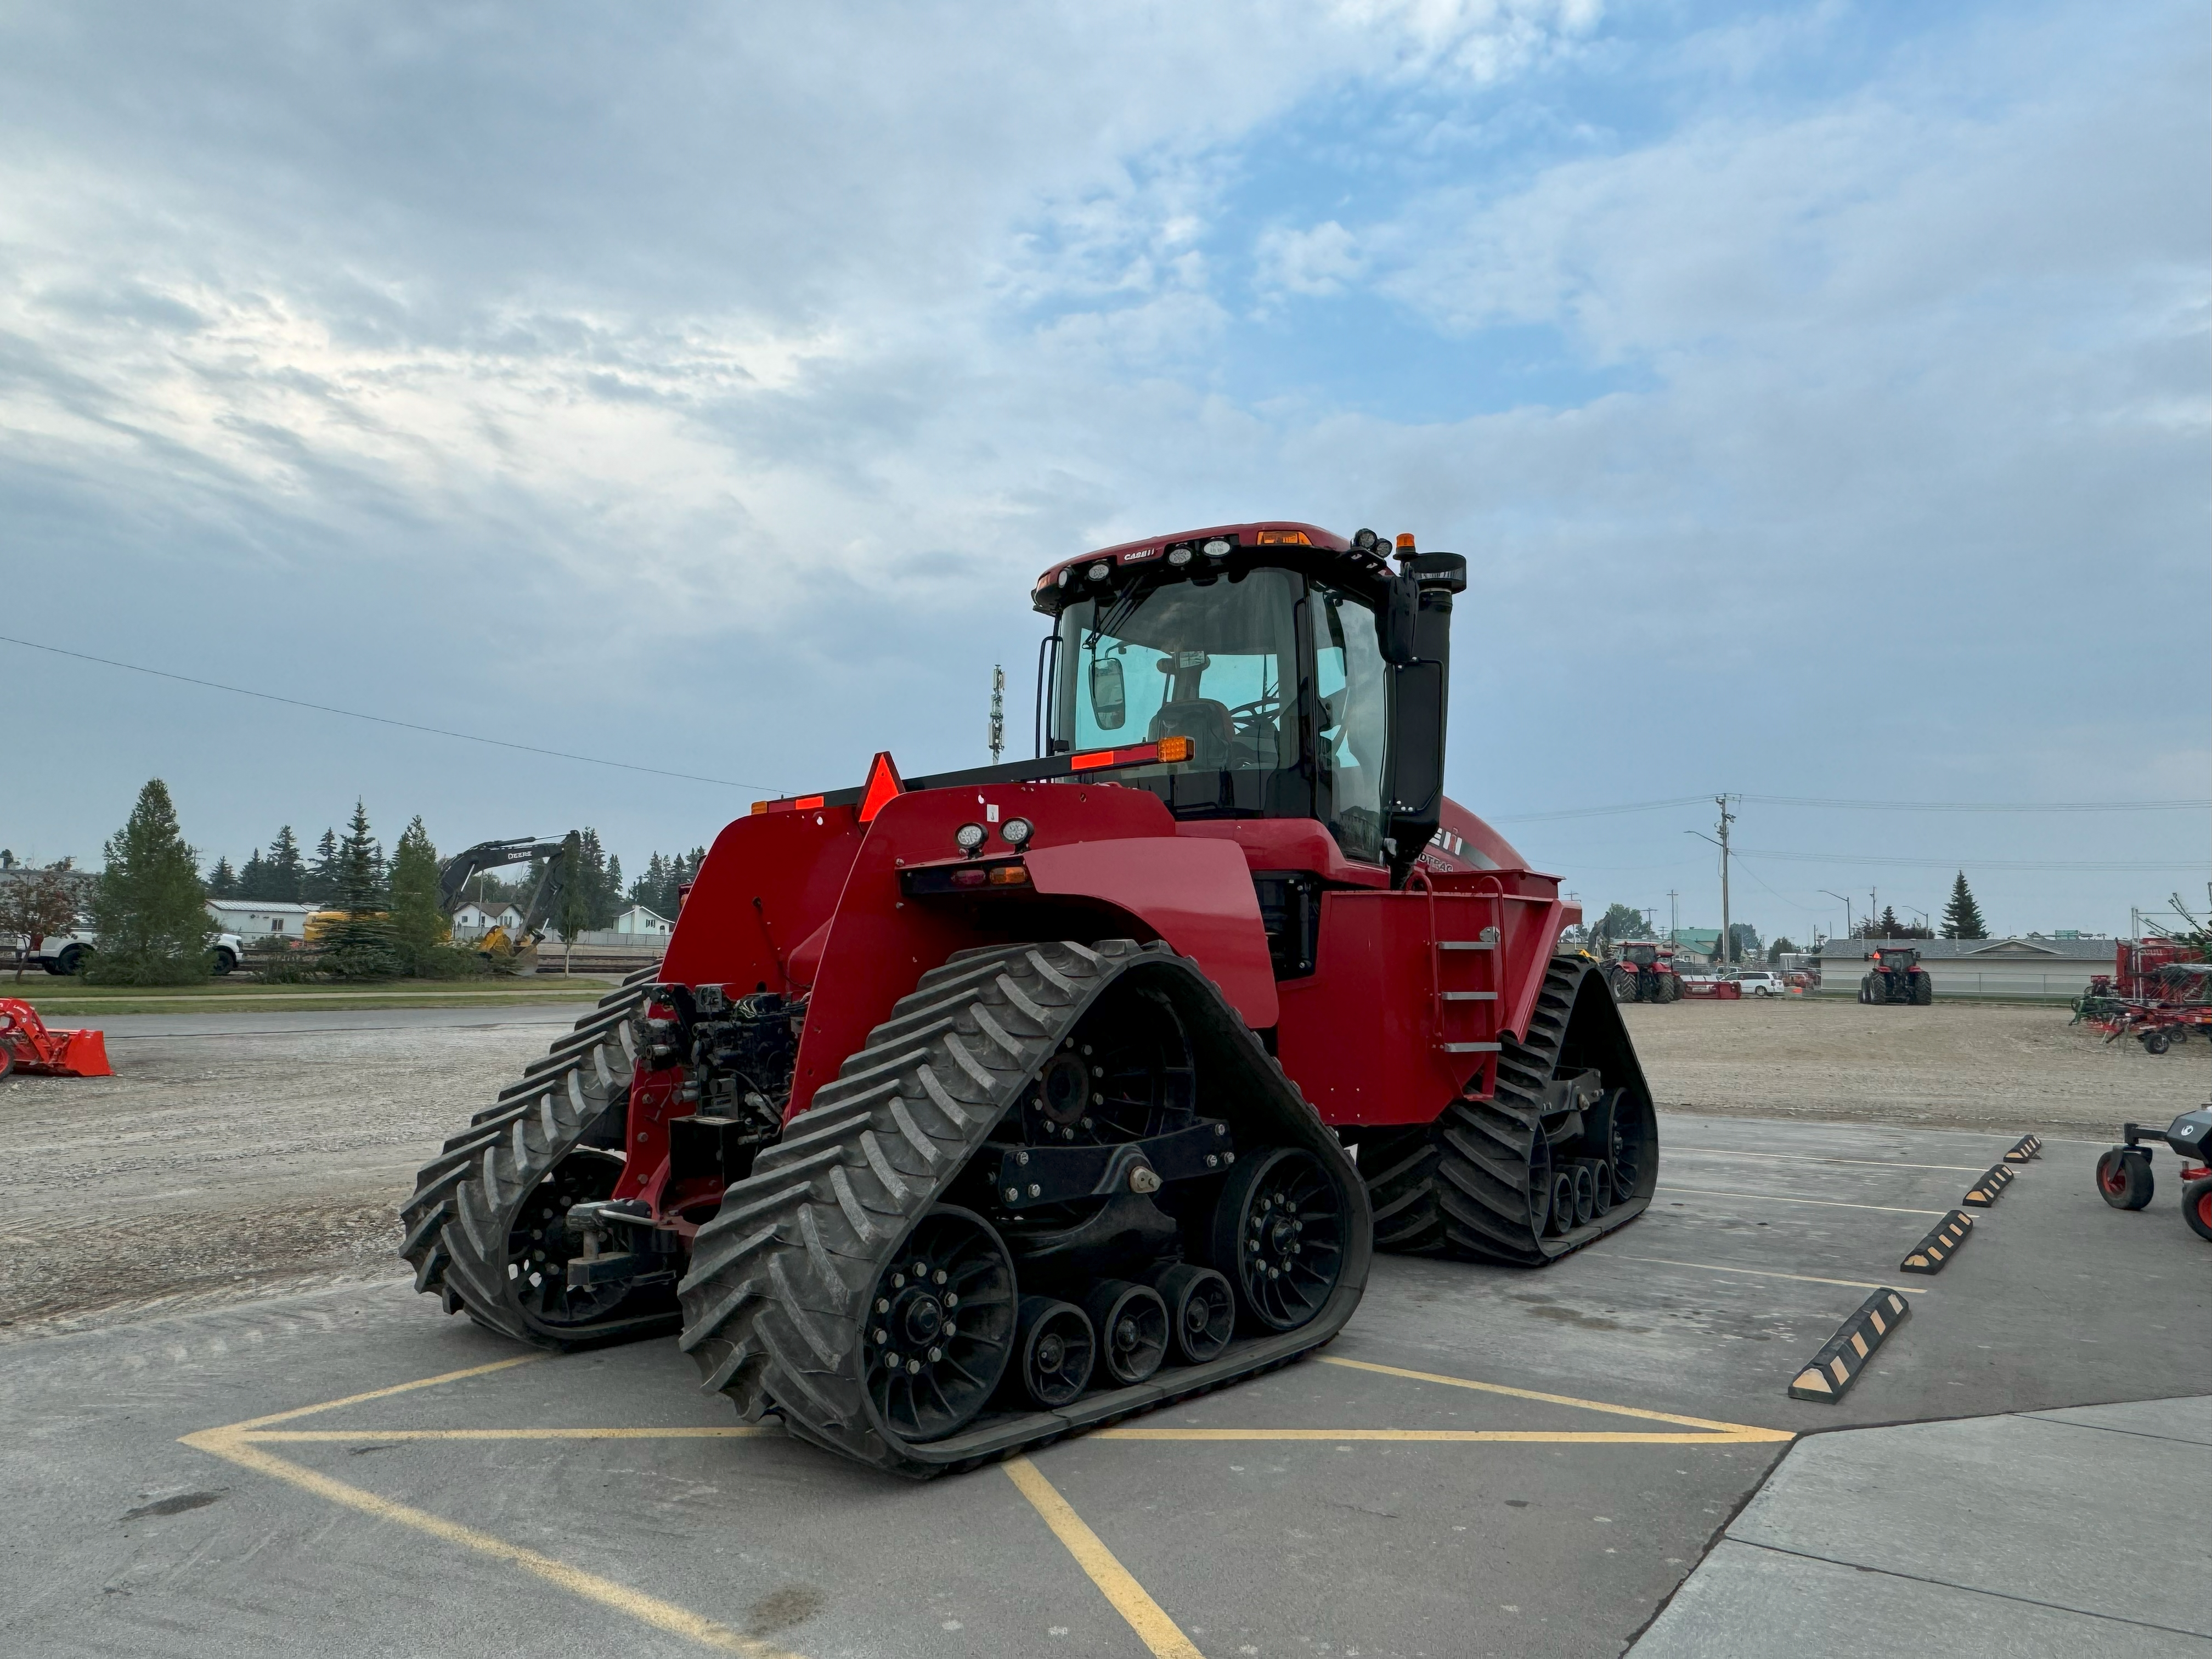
pixel 319 883
pixel 222 880
pixel 1890 926
pixel 286 870
pixel 150 911
pixel 359 945
pixel 572 914
pixel 419 924
pixel 254 878
pixel 1962 917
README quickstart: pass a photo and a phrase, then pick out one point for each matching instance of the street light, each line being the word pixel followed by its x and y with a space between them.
pixel 1833 894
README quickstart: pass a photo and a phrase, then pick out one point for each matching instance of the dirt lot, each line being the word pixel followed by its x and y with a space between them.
pixel 1958 1064
pixel 215 1166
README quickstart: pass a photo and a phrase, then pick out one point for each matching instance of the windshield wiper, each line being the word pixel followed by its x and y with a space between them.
pixel 1131 597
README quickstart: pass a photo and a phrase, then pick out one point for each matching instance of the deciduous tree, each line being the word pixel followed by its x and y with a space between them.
pixel 37 903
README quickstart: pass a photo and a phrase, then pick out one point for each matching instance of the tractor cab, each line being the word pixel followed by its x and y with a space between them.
pixel 1287 673
pixel 1643 955
pixel 1897 960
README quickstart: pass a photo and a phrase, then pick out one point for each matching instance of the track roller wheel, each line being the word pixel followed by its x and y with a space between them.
pixel 1201 1311
pixel 1279 1235
pixel 1561 1220
pixel 2123 1178
pixel 1131 1322
pixel 2196 1207
pixel 942 1326
pixel 1585 1194
pixel 1600 1174
pixel 1054 1352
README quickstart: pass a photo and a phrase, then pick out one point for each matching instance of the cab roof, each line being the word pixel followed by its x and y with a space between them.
pixel 1257 532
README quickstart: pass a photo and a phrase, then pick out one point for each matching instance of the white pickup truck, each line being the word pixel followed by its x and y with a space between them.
pixel 66 953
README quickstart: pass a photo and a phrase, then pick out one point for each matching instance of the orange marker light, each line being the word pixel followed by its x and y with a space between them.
pixel 1010 875
pixel 1285 539
pixel 1176 750
pixel 759 806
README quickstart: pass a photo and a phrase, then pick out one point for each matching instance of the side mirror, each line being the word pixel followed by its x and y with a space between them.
pixel 1109 700
pixel 1401 621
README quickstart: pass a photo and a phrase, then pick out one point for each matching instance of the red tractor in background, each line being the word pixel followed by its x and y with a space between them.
pixel 1644 971
pixel 970 1109
pixel 1897 976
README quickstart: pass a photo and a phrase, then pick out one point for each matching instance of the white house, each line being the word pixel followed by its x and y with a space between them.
pixel 480 916
pixel 2031 967
pixel 639 921
pixel 254 918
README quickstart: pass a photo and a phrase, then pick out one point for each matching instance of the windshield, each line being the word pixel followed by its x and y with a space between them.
pixel 1280 688
pixel 1643 953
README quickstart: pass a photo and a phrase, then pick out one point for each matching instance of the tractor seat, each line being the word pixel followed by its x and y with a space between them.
pixel 1205 722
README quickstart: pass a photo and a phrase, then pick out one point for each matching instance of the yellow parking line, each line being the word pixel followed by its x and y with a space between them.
pixel 231 1445
pixel 345 1434
pixel 1129 1598
pixel 380 1394
pixel 1768 1272
pixel 1742 1431
pixel 1525 1437
pixel 1824 1203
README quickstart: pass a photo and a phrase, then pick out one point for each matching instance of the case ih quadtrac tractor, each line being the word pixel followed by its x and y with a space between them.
pixel 1896 976
pixel 1644 971
pixel 967 1110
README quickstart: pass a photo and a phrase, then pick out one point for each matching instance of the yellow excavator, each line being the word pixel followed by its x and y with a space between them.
pixel 516 952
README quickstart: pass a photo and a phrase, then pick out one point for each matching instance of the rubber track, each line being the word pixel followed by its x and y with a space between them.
pixel 780 1278
pixel 464 1200
pixel 1459 1187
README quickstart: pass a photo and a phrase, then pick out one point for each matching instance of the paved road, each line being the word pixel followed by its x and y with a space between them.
pixel 249 1022
pixel 1361 1503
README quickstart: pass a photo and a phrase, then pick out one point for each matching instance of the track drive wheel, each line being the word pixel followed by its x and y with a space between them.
pixel 2124 1179
pixel 2196 1207
pixel 1278 1238
pixel 485 1226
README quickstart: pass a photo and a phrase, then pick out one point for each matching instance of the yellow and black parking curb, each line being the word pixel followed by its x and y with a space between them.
pixel 1848 1353
pixel 1989 1187
pixel 2027 1147
pixel 1929 1254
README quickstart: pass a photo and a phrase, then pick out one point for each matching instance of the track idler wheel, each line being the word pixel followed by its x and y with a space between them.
pixel 2123 1178
pixel 1279 1235
pixel 1131 1323
pixel 942 1325
pixel 1561 1207
pixel 1054 1352
pixel 1201 1311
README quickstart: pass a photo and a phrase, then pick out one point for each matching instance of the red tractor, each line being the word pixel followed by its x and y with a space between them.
pixel 967 1110
pixel 1644 971
pixel 1896 976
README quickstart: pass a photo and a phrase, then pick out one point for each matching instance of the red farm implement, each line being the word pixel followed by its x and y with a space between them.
pixel 26 1045
pixel 2158 993
pixel 971 1110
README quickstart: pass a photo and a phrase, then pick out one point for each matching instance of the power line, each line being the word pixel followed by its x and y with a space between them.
pixel 1978 864
pixel 379 720
pixel 1870 806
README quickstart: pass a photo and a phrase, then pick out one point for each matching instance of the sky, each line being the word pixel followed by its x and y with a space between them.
pixel 1819 393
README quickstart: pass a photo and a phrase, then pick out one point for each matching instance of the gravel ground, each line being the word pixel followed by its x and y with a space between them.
pixel 211 1167
pixel 217 1167
pixel 1951 1066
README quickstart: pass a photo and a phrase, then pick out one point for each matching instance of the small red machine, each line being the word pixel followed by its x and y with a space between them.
pixel 1896 976
pixel 969 1110
pixel 2123 1175
pixel 26 1045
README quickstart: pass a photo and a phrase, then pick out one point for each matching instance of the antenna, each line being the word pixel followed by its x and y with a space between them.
pixel 998 713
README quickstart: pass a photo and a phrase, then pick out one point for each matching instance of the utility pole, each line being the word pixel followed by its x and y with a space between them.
pixel 1728 944
pixel 998 713
pixel 1874 909
pixel 1674 915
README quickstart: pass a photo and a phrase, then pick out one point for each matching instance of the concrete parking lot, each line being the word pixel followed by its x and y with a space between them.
pixel 1486 1462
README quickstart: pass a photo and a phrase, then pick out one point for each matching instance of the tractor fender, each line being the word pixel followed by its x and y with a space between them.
pixel 1196 894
